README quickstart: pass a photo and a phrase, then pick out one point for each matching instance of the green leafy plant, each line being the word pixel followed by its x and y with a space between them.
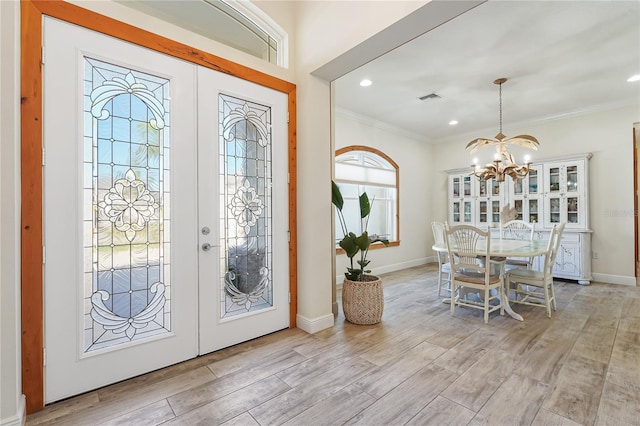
pixel 351 243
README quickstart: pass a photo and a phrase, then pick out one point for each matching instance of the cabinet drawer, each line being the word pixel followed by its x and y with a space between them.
pixel 570 237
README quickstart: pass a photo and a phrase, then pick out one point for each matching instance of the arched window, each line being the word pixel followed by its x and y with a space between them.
pixel 362 168
pixel 238 24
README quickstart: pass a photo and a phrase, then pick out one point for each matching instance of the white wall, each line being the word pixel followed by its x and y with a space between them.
pixel 609 136
pixel 11 400
pixel 324 29
pixel 414 159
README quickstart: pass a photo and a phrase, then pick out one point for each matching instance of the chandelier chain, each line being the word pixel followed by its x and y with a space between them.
pixel 500 91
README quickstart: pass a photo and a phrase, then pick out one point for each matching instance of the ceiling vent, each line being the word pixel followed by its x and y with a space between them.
pixel 429 96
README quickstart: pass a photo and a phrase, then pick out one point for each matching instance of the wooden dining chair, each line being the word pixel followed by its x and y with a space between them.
pixel 469 248
pixel 518 230
pixel 444 268
pixel 535 288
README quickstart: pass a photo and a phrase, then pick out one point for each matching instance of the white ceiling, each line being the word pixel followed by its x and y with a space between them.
pixel 561 58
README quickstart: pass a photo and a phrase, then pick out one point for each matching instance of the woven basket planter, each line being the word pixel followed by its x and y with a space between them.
pixel 363 301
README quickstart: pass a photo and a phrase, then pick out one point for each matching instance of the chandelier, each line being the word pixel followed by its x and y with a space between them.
pixel 503 164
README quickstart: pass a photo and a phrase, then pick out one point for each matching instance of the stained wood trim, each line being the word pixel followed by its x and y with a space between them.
pixel 32 12
pixel 293 203
pixel 31 206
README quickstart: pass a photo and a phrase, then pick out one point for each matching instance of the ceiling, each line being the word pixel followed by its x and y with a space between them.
pixel 560 57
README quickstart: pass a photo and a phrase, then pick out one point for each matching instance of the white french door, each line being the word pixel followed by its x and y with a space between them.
pixel 165 210
pixel 242 164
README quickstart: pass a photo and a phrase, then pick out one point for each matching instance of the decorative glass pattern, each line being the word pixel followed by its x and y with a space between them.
pixel 126 151
pixel 245 197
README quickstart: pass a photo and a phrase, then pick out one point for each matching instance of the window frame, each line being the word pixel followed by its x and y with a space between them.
pixel 350 148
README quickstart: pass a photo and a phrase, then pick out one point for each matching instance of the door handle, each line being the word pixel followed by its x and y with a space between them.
pixel 206 247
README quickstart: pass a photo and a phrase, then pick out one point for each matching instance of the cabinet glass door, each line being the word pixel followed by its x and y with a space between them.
pixel 495 188
pixel 455 187
pixel 518 206
pixel 483 215
pixel 532 179
pixel 467 186
pixel 517 187
pixel 572 179
pixel 482 188
pixel 533 211
pixel 495 210
pixel 572 210
pixel 554 179
pixel 456 212
pixel 554 210
pixel 468 218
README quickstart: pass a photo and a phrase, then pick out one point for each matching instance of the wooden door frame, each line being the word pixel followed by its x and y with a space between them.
pixel 32 302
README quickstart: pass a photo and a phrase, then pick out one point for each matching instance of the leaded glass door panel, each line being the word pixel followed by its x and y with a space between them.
pixel 243 201
pixel 142 197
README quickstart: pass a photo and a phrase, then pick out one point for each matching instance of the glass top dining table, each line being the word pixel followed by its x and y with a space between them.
pixel 503 247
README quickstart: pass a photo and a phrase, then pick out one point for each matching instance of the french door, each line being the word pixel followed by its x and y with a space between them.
pixel 165 210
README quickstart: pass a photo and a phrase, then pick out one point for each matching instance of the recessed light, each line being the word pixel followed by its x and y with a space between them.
pixel 453 122
pixel 365 83
pixel 634 78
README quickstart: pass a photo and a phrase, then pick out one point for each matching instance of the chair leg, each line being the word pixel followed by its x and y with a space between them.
pixel 441 282
pixel 486 305
pixel 547 302
pixel 553 295
pixel 453 298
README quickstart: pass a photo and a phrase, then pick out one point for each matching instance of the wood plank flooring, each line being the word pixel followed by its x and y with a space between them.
pixel 419 366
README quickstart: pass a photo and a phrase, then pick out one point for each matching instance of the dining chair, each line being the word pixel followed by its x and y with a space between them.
pixel 444 267
pixel 466 245
pixel 535 288
pixel 518 230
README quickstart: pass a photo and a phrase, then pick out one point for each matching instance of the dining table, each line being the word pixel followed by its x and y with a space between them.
pixel 503 248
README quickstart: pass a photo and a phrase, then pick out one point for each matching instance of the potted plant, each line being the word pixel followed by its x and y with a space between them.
pixel 362 293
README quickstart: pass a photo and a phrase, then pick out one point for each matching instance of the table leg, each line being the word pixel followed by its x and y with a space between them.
pixel 505 297
pixel 507 306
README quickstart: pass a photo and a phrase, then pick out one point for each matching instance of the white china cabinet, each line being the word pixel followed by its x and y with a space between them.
pixel 556 190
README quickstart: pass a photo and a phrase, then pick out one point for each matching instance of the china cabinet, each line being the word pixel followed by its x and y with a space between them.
pixel 556 190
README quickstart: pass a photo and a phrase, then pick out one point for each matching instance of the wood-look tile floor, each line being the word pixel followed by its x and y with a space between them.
pixel 419 366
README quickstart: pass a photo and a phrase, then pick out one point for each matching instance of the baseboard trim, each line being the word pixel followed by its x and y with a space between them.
pixel 392 268
pixel 20 418
pixel 614 279
pixel 312 326
pixel 398 266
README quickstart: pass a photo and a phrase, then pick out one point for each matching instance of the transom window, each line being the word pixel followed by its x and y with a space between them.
pixel 238 24
pixel 359 169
